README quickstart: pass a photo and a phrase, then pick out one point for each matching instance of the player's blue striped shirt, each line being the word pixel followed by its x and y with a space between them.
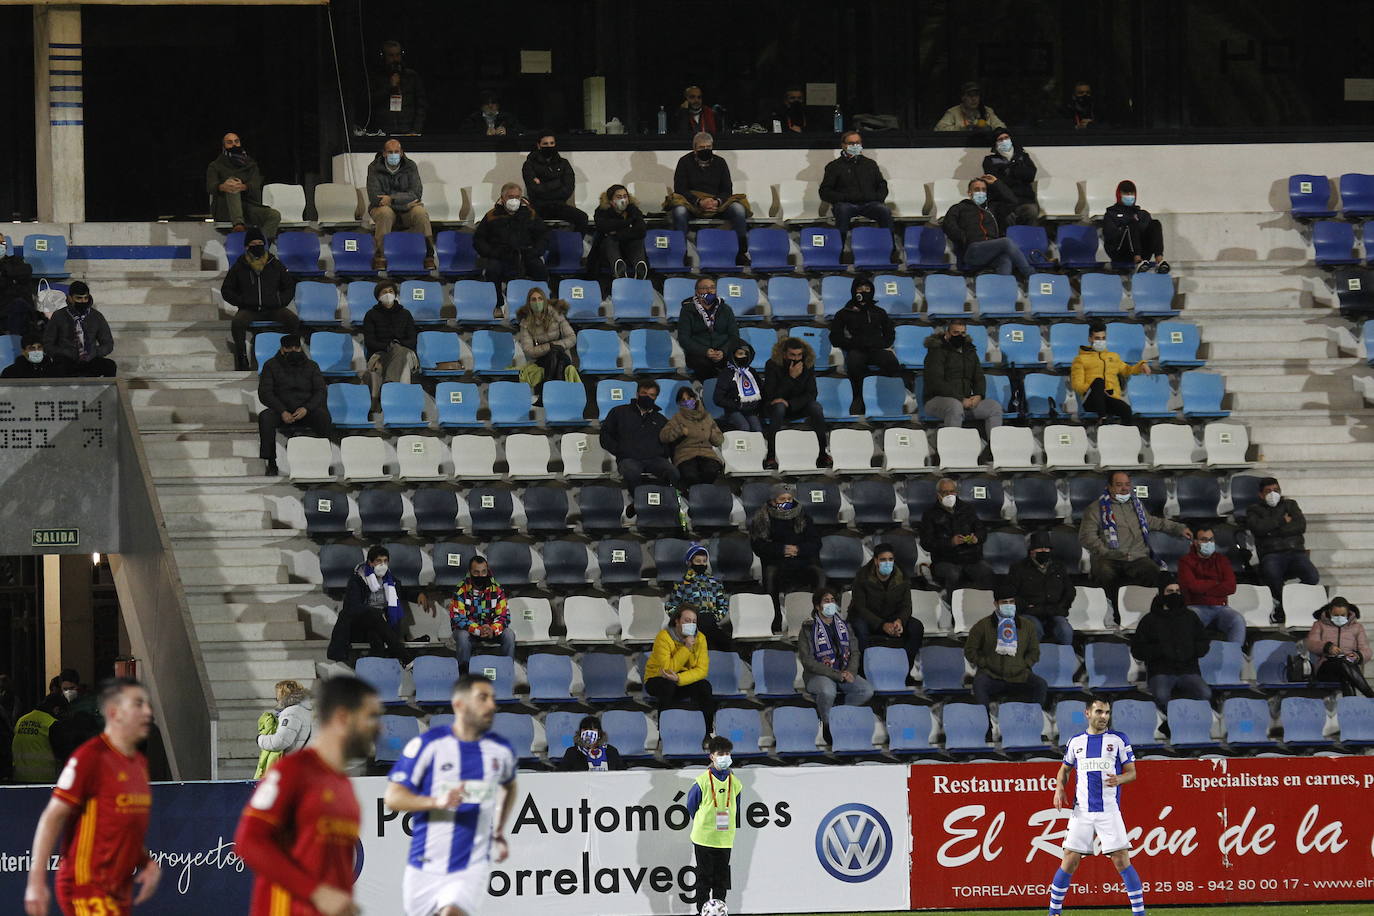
pixel 444 842
pixel 1094 758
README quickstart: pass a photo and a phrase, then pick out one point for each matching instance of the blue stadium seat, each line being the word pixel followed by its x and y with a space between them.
pixel 1310 196
pixel 656 507
pixel 834 293
pixel 517 291
pixel 768 250
pixel 265 346
pixel 455 254
pixel 546 510
pixel 434 676
pixel 611 393
pixel 874 502
pixel 794 730
pixel 1202 393
pixel 789 298
pixel 450 567
pixel 1190 724
pixel 434 347
pixel 380 511
pixel 852 727
pixel 500 670
pixel 584 301
pixel 565 563
pixel 47 255
pixel 895 294
pixel 942 669
pixel 884 399
pixel 841 556
pixel 457 404
pixel 775 672
pixel 560 729
pixel 1034 243
pixel 1045 395
pixel 425 300
pixel 632 301
pixel 405 254
pixel 675 291
pixel 604 676
pixel 1020 345
pixel 474 302
pixel 762 340
pixel 1127 340
pixel 1036 500
pixel 550 677
pixel 1152 295
pixel 1197 497
pixel 564 256
pixel 601 507
pixel 629 730
pixel 1178 343
pixel 350 406
pixel 908 728
pixel 996 295
pixel 396 732
pixel 510 404
pixel 621 562
pixel 518 729
pixel 1058 664
pixel 1247 721
pixel 835 395
pixel 978 336
pixel 1048 295
pixel 352 252
pixel 1269 658
pixel 565 403
pixel 743 727
pixel 1221 665
pixel 1065 340
pixel 820 249
pixel 493 353
pixel 871 247
pixel 1108 664
pixel 333 352
pixel 598 352
pixel 317 304
pixel 886 669
pixel 406 561
pixel 436 511
pixel 910 345
pixel 337 562
pixel 682 730
pixel 1168 549
pixel 233 246
pixel 717 249
pixel 666 249
pixel 1101 294
pixel 742 295
pixel 1303 719
pixel 403 406
pixel 946 295
pixel 1022 726
pixel 1356 718
pixel 1137 720
pixel 1334 243
pixel 382 675
pixel 300 253
pixel 819 339
pixel 358 299
pixel 1150 396
pixel 925 248
pixel 326 513
pixel 725 672
pixel 966 727
pixel 1357 195
pixel 1070 719
pixel 1078 247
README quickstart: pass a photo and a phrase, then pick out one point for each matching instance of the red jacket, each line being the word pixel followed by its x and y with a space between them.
pixel 1206 580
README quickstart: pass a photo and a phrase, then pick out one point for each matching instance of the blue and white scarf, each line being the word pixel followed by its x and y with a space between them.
pixel 746 385
pixel 1106 513
pixel 597 760
pixel 1006 636
pixel 824 650
pixel 386 584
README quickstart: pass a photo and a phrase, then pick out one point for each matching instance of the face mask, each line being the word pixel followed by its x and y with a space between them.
pixel 34 356
pixel 1003 146
pixel 864 296
pixel 294 358
pixel 1174 602
pixel 512 204
pixel 548 152
pixel 709 300
pixel 1006 610
pixel 689 403
pixel 1122 497
pixel 80 307
pixel 705 154
pixel 620 203
pixel 979 197
pixel 723 762
pixel 1339 621
pixel 238 154
pixel 699 568
pixel 645 401
pixel 257 251
pixel 948 501
pixel 689 629
pixel 1041 557
pixel 855 149
pixel 393 159
pixel 387 299
pixel 785 506
pixel 380 570
pixel 741 359
pixel 830 609
pixel 589 737
pixel 70 695
pixel 1271 499
pixel 1099 345
pixel 480 582
pixel 1206 549
pixel 1128 200
pixel 885 567
pixel 537 305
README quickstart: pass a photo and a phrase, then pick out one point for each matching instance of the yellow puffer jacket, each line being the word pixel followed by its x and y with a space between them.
pixel 671 655
pixel 1090 365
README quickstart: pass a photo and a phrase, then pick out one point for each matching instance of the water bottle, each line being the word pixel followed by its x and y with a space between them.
pixel 839 120
pixel 662 120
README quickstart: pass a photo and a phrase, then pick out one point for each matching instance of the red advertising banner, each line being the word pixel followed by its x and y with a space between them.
pixel 1202 831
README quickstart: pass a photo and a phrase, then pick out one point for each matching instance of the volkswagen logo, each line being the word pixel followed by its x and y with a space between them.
pixel 853 843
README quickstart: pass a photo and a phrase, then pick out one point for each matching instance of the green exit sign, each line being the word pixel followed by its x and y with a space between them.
pixel 56 537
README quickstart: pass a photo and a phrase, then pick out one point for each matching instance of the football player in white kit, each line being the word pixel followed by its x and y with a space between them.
pixel 1104 762
pixel 459 783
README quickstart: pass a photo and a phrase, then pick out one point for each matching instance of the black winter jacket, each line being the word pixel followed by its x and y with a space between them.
pixel 404 186
pixel 629 433
pixel 1272 533
pixel 285 387
pixel 1017 173
pixel 862 327
pixel 624 227
pixel 797 392
pixel 695 338
pixel 876 602
pixel 783 532
pixel 382 325
pixel 939 525
pixel 1043 593
pixel 1169 641
pixel 501 233
pixel 953 371
pixel 710 180
pixel 727 393
pixel 966 222
pixel 1121 230
pixel 556 179
pixel 852 180
pixel 220 170
pixel 414 103
pixel 246 288
pixel 22 368
pixel 59 337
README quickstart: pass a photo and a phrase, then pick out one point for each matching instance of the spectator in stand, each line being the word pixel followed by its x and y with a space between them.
pixel 591 750
pixel 702 190
pixel 234 184
pixel 490 120
pixel 853 185
pixel 953 535
pixel 546 339
pixel 290 725
pixel 1096 376
pixel 1044 592
pixel 395 195
pixel 294 395
pixel 970 113
pixel 1003 648
pixel 863 331
pixel 675 674
pixel 1169 640
pixel 478 614
pixel 706 593
pixel 692 116
pixel 1009 163
pixel 1208 582
pixel 787 543
pixel 1278 526
pixel 694 437
pixel 260 287
pixel 620 231
pixel 631 433
pixel 1080 108
pixel 17 291
pixel 1116 534
pixel 371 610
pixel 954 382
pixel 789 393
pixel 978 236
pixel 77 337
pixel 512 238
pixel 397 95
pixel 1130 235
pixel 32 361
pixel 791 117
pixel 739 390
pixel 552 183
pixel 830 653
pixel 32 753
pixel 706 327
pixel 880 606
pixel 390 339
pixel 1339 647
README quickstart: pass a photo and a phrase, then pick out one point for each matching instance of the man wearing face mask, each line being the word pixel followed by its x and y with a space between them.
pixel 512 238
pixel 492 120
pixel 1208 581
pixel 1003 648
pixel 706 327
pixel 1116 534
pixel 398 99
pixel 31 362
pixel 954 382
pixel 552 183
pixel 979 236
pixel 707 594
pixel 692 116
pixel 1097 374
pixel 478 614
pixel 294 396
pixel 372 610
pixel 1081 109
pixel 863 331
pixel 853 185
pixel 702 189
pixel 787 544
pixel 970 113
pixel 880 606
pixel 791 117
pixel 1130 235
pixel 1009 164
pixel 261 288
pixel 1169 640
pixel 394 201
pixel 953 535
pixel 78 338
pixel 789 393
pixel 830 652
pixel 234 183
pixel 1044 592
pixel 1278 525
pixel 631 433
pixel 389 339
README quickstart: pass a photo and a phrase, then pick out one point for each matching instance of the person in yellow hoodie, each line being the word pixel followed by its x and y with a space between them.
pixel 1098 376
pixel 675 674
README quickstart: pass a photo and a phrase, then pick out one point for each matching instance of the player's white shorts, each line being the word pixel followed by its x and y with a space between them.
pixel 1108 826
pixel 426 894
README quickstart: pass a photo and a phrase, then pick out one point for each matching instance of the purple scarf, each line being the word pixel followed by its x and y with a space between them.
pixel 825 651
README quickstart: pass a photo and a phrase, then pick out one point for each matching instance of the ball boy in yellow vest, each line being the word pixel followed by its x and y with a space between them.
pixel 713 802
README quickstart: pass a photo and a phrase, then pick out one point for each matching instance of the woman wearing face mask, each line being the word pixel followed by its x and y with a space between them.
pixel 1339 647
pixel 620 230
pixel 1097 374
pixel 787 544
pixel 591 750
pixel 739 390
pixel 389 339
pixel 706 593
pixel 1169 640
pixel 829 652
pixel 675 674
pixel 547 340
pixel 1131 236
pixel 880 606
pixel 694 435
pixel 1007 162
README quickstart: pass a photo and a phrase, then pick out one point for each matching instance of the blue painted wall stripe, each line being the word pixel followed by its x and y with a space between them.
pixel 66 104
pixel 60 44
pixel 64 57
pixel 65 89
pixel 66 123
pixel 52 72
pixel 128 252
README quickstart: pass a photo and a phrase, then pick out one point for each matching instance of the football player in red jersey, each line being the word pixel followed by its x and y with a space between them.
pixel 105 787
pixel 300 829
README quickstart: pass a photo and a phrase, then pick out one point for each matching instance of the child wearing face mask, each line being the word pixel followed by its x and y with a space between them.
pixel 713 803
pixel 591 750
pixel 1339 647
pixel 1097 376
pixel 706 593
pixel 693 434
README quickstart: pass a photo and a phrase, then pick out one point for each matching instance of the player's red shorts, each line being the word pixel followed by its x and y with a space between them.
pixel 90 900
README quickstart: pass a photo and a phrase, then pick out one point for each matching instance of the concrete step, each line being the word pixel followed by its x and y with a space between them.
pixel 225 612
pixel 1293 400
pixel 220 524
pixel 156 364
pixel 1279 348
pixel 205 467
pixel 160 448
pixel 183 312
pixel 1328 434
pixel 1312 452
pixel 1266 382
pixel 224 556
pixel 236 576
pixel 173 501
pixel 209 633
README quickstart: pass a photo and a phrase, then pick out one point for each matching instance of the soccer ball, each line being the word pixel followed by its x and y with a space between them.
pixel 714 908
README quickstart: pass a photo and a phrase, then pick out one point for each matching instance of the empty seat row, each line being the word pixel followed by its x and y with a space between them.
pixel 1334 245
pixel 1310 196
